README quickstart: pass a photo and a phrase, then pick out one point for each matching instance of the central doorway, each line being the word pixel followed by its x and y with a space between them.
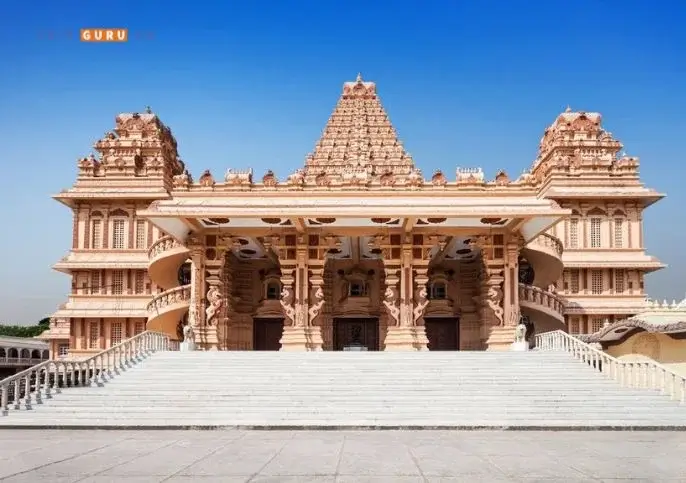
pixel 266 334
pixel 354 333
pixel 443 333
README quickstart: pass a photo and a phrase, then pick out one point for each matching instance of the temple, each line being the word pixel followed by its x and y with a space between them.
pixel 357 250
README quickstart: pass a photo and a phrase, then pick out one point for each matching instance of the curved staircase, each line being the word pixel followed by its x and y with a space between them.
pixel 165 310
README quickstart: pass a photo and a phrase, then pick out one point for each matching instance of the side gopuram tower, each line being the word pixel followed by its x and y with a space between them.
pixel 108 261
pixel 580 167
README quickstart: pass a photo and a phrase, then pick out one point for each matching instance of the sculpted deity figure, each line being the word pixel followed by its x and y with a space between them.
pixel 214 297
pixel 314 310
pixel 390 301
pixel 422 301
pixel 287 299
pixel 494 297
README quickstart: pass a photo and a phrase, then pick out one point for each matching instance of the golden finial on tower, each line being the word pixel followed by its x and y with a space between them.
pixel 359 77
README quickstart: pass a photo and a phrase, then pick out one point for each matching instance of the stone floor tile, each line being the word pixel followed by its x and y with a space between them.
pixel 379 479
pixel 624 468
pixel 166 461
pixel 208 479
pixel 535 465
pixel 243 457
pixel 293 479
pixel 296 458
pixel 120 479
pixel 439 460
pixel 363 458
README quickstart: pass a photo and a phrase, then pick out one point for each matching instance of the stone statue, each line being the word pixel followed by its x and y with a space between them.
pixel 314 310
pixel 287 299
pixel 520 334
pixel 390 300
pixel 188 343
pixel 421 303
pixel 495 295
pixel 214 297
pixel 188 333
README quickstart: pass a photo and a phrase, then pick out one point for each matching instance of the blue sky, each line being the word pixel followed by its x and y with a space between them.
pixel 251 84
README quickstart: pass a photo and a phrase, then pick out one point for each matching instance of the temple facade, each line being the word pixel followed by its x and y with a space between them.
pixel 357 250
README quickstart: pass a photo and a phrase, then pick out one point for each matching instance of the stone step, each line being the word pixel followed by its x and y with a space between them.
pixel 466 389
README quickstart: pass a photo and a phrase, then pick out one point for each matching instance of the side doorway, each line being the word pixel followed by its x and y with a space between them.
pixel 267 334
pixel 443 333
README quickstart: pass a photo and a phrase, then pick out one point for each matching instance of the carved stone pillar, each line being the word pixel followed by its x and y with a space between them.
pixel 511 285
pixel 314 305
pixel 216 298
pixel 299 336
pixel 399 303
pixel 196 311
pixel 421 301
pixel 495 335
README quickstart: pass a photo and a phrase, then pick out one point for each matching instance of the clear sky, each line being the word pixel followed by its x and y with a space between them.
pixel 252 83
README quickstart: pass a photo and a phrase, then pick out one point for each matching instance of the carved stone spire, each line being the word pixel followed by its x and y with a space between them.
pixel 359 137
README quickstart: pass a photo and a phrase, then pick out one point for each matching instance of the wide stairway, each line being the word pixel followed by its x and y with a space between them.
pixel 353 389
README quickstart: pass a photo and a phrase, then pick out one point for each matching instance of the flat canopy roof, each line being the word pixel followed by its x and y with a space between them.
pixel 446 212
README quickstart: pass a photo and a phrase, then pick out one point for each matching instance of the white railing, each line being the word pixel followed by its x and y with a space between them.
pixel 162 245
pixel 41 381
pixel 538 296
pixel 549 241
pixel 169 297
pixel 20 361
pixel 636 374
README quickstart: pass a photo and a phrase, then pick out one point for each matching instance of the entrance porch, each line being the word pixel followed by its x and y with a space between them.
pixel 313 262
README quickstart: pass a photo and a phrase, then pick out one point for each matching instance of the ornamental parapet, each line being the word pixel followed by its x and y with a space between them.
pixel 165 257
pixel 541 300
pixel 177 297
pixel 164 244
pixel 549 242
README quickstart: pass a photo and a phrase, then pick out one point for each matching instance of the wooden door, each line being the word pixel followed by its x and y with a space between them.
pixel 267 334
pixel 443 333
pixel 356 332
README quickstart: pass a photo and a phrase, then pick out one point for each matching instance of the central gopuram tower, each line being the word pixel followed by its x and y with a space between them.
pixel 357 234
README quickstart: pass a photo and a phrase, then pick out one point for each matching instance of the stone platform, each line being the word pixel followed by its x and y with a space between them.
pixel 345 456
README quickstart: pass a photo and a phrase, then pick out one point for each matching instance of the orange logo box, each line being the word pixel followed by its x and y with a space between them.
pixel 104 35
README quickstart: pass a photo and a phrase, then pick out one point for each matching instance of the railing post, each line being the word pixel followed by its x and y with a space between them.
pixel 39 386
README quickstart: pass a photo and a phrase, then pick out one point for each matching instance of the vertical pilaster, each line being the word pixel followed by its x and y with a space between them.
pixel 421 301
pixel 294 297
pixel 215 313
pixel 398 301
pixel 511 285
pixel 314 305
pixel 196 312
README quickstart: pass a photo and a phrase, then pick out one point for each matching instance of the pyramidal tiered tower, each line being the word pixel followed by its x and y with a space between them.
pixel 359 142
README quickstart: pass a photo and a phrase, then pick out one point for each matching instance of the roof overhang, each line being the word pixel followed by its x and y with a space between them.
pixel 645 195
pixel 654 324
pixel 73 196
pixel 103 260
pixel 449 213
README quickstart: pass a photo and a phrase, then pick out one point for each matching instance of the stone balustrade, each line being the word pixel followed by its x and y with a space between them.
pixel 42 381
pixel 168 298
pixel 550 302
pixel 635 374
pixel 162 245
pixel 548 241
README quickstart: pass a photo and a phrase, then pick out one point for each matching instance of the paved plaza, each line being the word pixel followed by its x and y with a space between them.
pixel 339 456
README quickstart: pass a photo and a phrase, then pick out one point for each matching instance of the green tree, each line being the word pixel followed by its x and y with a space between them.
pixel 25 330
